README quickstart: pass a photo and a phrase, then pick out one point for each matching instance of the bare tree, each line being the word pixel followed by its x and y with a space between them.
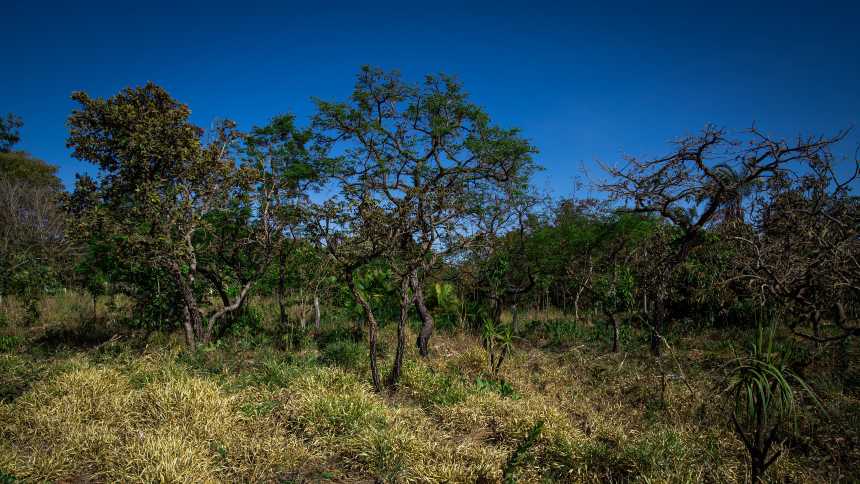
pixel 690 189
pixel 800 251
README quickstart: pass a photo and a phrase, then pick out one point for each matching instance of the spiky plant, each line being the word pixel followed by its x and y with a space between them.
pixel 765 400
pixel 498 341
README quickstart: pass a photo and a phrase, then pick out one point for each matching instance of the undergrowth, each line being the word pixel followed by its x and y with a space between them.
pixel 135 408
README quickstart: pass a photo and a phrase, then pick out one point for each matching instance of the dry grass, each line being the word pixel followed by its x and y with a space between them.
pixel 100 423
pixel 149 412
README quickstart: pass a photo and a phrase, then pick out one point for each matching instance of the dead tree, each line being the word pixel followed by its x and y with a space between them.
pixel 705 179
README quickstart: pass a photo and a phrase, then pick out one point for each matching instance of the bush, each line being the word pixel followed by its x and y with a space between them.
pixel 501 386
pixel 338 333
pixel 9 343
pixel 247 321
pixel 430 387
pixel 344 353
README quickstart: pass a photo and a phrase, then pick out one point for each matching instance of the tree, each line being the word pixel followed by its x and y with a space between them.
pixel 498 262
pixel 798 254
pixel 420 155
pixel 293 169
pixel 9 134
pixel 354 233
pixel 34 251
pixel 168 201
pixel 689 188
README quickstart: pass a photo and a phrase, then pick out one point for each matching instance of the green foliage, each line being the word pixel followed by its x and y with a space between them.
pixel 247 321
pixel 30 171
pixel 34 255
pixel 445 305
pixel 500 386
pixel 344 353
pixel 9 343
pixel 563 331
pixel 498 340
pixel 519 455
pixel 614 291
pixel 377 286
pixel 762 387
pixel 432 387
pixel 6 478
pixel 9 135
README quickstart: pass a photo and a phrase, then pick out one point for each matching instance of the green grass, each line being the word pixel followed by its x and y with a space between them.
pixel 139 408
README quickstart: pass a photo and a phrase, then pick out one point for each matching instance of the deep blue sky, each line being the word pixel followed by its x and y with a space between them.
pixel 583 83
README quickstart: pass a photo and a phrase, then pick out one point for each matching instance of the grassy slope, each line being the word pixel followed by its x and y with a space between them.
pixel 135 409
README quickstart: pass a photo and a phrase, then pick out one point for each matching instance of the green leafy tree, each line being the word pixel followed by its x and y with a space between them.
pixel 9 134
pixel 421 157
pixel 293 168
pixel 168 201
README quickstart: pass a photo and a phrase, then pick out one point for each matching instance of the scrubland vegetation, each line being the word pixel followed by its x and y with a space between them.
pixel 384 296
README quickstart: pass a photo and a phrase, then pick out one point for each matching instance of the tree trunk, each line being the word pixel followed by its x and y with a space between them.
pixel 189 329
pixel 193 319
pixel 372 328
pixel 426 319
pixel 282 284
pixel 514 321
pixel 405 302
pixel 615 332
pixel 228 321
pixel 317 318
pixel 657 325
pixel 303 319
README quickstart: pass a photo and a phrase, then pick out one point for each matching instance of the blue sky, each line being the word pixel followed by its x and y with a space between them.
pixel 584 83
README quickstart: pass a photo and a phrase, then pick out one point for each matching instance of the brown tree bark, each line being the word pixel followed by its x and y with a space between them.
pixel 372 330
pixel 657 325
pixel 317 318
pixel 426 319
pixel 615 331
pixel 405 302
pixel 193 319
pixel 282 287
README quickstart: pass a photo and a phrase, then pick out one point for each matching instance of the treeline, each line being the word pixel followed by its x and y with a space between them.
pixel 405 201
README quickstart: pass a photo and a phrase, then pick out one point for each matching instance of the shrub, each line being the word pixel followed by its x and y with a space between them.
pixel 344 353
pixel 764 400
pixel 9 343
pixel 430 387
pixel 501 386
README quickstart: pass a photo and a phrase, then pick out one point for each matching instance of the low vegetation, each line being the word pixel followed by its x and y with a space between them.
pixel 134 406
pixel 384 295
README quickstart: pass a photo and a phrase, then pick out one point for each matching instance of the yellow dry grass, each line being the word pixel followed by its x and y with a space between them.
pixel 93 422
pixel 156 415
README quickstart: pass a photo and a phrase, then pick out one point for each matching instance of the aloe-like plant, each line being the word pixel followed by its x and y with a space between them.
pixel 765 400
pixel 446 305
pixel 498 341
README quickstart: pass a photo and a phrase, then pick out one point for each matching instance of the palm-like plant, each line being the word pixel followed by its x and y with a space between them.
pixel 446 304
pixel 498 341
pixel 762 387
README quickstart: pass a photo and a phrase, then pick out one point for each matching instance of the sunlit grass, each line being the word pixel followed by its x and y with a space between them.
pixel 134 410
